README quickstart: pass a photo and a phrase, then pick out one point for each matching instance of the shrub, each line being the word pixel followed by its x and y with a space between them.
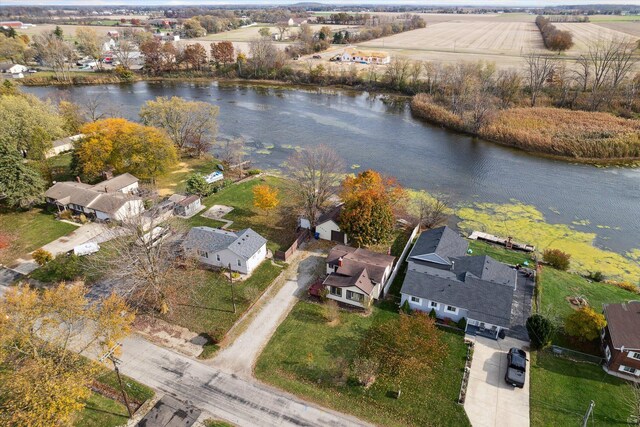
pixel 196 184
pixel 42 257
pixel 216 335
pixel 540 330
pixel 585 324
pixel 627 286
pixel 65 215
pixel 405 307
pixel 365 370
pixel 423 107
pixel 62 268
pixel 432 313
pixel 124 74
pixel 557 259
pixel 254 172
pixel 462 323
pixel 596 276
pixel 331 311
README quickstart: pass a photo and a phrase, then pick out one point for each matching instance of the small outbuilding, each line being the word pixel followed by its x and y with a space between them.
pixel 188 206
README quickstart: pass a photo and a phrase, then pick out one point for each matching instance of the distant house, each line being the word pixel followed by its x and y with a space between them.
pixel 113 34
pixel 363 56
pixel 241 251
pixel 296 22
pixel 443 278
pixel 621 340
pixel 113 199
pixel 186 205
pixel 10 68
pixel 356 276
pixel 63 145
pixel 108 46
pixel 328 227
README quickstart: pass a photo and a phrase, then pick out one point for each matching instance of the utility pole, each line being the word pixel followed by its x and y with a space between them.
pixel 589 413
pixel 233 297
pixel 110 355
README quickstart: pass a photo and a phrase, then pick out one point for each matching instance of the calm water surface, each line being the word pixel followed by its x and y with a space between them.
pixel 379 132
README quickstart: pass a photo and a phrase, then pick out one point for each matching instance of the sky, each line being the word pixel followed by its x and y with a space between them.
pixel 523 3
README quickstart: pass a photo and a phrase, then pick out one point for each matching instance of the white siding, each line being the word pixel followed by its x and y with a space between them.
pixel 324 230
pixel 229 258
pixel 441 310
pixel 129 188
pixel 343 298
pixel 130 209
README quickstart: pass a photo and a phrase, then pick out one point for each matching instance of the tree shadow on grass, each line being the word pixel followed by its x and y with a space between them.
pixel 202 307
pixel 91 408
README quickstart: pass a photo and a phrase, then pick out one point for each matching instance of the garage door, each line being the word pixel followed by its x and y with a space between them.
pixel 337 236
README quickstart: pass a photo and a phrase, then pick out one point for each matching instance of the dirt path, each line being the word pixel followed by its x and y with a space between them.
pixel 255 330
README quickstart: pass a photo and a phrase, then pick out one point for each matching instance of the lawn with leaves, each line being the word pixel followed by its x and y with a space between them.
pixel 561 390
pixel 209 308
pixel 308 357
pixel 26 231
pixel 274 226
pixel 175 180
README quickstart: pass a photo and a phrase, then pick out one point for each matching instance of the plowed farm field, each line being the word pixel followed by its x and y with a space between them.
pixel 511 38
pixel 585 33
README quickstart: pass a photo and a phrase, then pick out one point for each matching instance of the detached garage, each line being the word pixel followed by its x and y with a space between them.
pixel 328 227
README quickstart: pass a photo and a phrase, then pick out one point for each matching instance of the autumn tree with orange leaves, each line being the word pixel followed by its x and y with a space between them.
pixel 124 146
pixel 368 213
pixel 265 197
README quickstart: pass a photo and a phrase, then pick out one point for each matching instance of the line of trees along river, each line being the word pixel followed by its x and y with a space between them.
pixel 374 131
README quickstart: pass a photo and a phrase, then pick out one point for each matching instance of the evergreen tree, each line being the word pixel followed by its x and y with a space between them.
pixel 20 184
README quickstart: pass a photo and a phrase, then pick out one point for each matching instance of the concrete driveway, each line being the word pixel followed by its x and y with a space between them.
pixel 79 236
pixel 490 402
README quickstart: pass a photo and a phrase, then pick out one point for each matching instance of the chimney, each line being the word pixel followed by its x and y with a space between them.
pixel 78 179
pixel 453 265
pixel 340 262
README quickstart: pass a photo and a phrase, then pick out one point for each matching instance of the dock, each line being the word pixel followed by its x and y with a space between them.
pixel 507 243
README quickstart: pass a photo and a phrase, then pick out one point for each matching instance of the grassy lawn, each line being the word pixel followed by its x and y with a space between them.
pixel 101 411
pixel 27 231
pixel 209 309
pixel 175 181
pixel 244 215
pixel 307 357
pixel 562 389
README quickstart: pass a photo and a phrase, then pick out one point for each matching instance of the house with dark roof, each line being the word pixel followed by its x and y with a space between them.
pixel 328 225
pixel 356 276
pixel 111 199
pixel 241 251
pixel 442 277
pixel 621 340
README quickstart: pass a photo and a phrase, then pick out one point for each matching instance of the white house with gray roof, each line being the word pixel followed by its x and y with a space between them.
pixel 442 277
pixel 243 250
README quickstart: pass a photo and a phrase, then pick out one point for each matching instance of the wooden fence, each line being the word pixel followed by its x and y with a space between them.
pixel 284 255
pixel 398 265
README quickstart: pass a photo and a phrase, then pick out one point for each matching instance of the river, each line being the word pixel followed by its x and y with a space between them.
pixel 378 132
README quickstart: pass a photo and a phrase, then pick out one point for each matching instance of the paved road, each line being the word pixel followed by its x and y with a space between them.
pixel 490 402
pixel 240 357
pixel 242 402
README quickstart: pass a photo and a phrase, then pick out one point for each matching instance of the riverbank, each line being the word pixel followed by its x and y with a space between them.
pixel 570 135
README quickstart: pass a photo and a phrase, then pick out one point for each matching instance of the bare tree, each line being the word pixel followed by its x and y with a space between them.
pixel 398 71
pixel 54 52
pixel 142 260
pixel 315 174
pixel 539 69
pixel 94 108
pixel 232 152
pixel 283 28
pixel 508 86
pixel 433 210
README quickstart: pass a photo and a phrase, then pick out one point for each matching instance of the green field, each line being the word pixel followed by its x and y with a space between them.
pixel 27 231
pixel 561 390
pixel 101 411
pixel 307 357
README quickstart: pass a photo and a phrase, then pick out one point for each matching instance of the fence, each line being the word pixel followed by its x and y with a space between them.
pixel 284 255
pixel 398 265
pixel 574 355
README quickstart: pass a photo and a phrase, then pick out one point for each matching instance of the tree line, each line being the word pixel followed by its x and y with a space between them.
pixel 553 38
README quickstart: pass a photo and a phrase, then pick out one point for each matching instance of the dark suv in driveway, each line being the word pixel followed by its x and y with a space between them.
pixel 516 367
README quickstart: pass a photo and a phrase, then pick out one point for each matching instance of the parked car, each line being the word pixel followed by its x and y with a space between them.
pixel 317 57
pixel 516 367
pixel 32 71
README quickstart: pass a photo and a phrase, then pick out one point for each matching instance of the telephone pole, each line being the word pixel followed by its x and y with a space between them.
pixel 111 356
pixel 233 297
pixel 589 413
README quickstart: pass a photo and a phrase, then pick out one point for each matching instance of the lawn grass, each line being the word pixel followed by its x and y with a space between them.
pixel 500 253
pixel 307 357
pixel 561 390
pixel 175 180
pixel 209 308
pixel 28 231
pixel 244 215
pixel 101 411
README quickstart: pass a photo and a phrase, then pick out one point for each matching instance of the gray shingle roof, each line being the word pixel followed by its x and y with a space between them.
pixel 486 268
pixel 116 183
pixel 486 301
pixel 243 243
pixel 356 259
pixel 443 242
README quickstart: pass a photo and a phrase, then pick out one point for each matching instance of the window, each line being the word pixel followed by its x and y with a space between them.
pixel 203 254
pixel 355 296
pixel 218 257
pixel 433 304
pixel 627 369
pixel 634 355
pixel 239 263
pixel 415 299
pixel 335 291
pixel 607 353
pixel 451 309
